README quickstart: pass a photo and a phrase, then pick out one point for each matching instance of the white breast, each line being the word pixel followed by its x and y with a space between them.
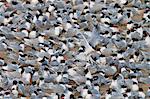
pixel 26 76
pixel 32 34
pixel 135 87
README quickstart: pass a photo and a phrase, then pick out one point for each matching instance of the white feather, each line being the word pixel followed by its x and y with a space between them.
pixel 72 72
pixel 41 83
pixel 15 93
pixel 50 51
pixel 60 58
pixel 41 39
pixel 105 20
pixel 88 96
pixel 92 4
pixel 58 78
pixel 135 87
pixel 129 26
pixel 68 26
pixel 46 74
pixel 28 25
pixel 40 18
pixel 22 47
pixel 32 34
pixel 84 92
pixel 53 58
pixel 114 84
pixel 34 1
pixel 88 82
pixel 51 8
pixel 26 76
pixel 88 75
pixel 57 30
pixel 59 19
pixel 141 94
pixel 25 32
pixel 34 19
pixel 47 14
pixel 147 40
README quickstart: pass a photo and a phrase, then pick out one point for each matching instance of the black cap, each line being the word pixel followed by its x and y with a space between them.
pixel 20 82
pixel 80 97
pixel 86 71
pixel 7 93
pixel 58 73
pixel 62 61
pixel 41 1
pixel 27 2
pixel 95 77
pixel 15 82
pixel 140 89
pixel 39 89
pixel 70 89
pixel 41 78
pixel 117 6
pixel 34 82
pixel 89 92
pixel 14 2
pixel 72 96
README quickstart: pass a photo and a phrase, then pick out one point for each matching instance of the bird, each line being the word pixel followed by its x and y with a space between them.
pixel 148 92
pixel 10 67
pixel 59 18
pixel 96 92
pixel 41 81
pixel 64 46
pixel 57 29
pixel 51 7
pixel 123 88
pixel 46 73
pixel 141 93
pixel 33 33
pixel 123 2
pixel 34 19
pixel 34 1
pixel 114 83
pixel 25 31
pixel 7 95
pixel 59 77
pixel 60 58
pixel 14 85
pixel 88 74
pixel 135 86
pixel 54 95
pixel 84 91
pixel 27 76
pixel 147 41
pixel 108 95
pixel 1 96
pixel 22 46
pixel 88 82
pixel 105 19
pixel 92 2
pixel 68 93
pixel 130 25
pixel 146 16
pixel 68 25
pixel 21 88
pixel 15 88
pixel 2 62
pixel 89 95
pixel 80 97
pixel 2 37
pixel 71 71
